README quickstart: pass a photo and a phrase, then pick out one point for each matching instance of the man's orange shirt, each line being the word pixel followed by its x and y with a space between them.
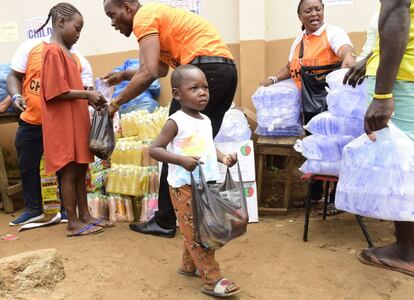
pixel 183 35
pixel 31 87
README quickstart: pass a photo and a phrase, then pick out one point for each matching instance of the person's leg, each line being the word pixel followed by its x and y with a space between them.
pixel 82 201
pixel 29 146
pixel 202 259
pixel 69 177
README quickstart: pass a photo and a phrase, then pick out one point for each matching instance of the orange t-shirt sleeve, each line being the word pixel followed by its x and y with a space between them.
pixel 146 23
pixel 54 81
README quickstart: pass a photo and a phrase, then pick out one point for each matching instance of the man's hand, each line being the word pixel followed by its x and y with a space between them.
pixel 19 105
pixel 230 159
pixel 113 78
pixel 356 74
pixel 96 100
pixel 377 117
pixel 190 162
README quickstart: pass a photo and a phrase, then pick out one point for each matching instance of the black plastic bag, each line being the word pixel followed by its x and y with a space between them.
pixel 102 137
pixel 219 210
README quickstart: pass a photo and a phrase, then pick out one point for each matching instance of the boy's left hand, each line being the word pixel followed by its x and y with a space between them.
pixel 230 159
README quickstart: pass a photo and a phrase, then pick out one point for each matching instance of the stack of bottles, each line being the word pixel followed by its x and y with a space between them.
pixel 376 178
pixel 333 129
pixel 278 109
pixel 116 208
pixel 142 124
pixel 234 128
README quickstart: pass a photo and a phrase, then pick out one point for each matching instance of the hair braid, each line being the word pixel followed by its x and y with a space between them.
pixel 62 9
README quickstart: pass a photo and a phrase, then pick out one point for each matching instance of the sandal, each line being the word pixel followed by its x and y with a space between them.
pixel 102 223
pixel 87 230
pixel 220 289
pixel 370 258
pixel 194 273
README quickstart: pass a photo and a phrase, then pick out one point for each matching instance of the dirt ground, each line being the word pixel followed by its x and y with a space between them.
pixel 269 262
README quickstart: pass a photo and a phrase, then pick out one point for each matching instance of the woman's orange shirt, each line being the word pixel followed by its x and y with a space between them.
pixel 66 123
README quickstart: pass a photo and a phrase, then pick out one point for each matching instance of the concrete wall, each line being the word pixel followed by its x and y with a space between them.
pixel 258 32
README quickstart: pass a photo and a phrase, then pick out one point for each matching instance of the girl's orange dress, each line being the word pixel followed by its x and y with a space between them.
pixel 65 123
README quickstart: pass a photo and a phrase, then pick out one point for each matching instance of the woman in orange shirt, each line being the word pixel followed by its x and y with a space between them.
pixel 319 44
pixel 65 118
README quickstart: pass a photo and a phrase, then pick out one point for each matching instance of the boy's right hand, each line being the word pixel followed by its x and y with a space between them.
pixel 96 100
pixel 190 162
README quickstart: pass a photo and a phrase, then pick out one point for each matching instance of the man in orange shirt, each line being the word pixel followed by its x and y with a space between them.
pixel 169 37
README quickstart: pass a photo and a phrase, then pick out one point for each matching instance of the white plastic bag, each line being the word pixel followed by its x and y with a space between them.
pixel 322 147
pixel 345 100
pixel 327 124
pixel 234 128
pixel 321 167
pixel 377 178
pixel 278 106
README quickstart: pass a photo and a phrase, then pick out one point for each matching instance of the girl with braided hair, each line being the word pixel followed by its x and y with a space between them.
pixel 65 118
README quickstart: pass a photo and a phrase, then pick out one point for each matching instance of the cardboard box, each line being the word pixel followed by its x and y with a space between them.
pixel 49 189
pixel 245 156
pixel 250 191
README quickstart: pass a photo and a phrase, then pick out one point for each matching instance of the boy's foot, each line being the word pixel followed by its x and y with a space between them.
pixel 223 288
pixel 27 217
pixel 85 230
pixel 193 273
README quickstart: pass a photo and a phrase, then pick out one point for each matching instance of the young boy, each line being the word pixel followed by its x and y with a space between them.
pixel 185 141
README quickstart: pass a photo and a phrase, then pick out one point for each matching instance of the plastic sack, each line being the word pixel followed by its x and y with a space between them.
pixel 101 137
pixel 278 105
pixel 296 130
pixel 321 167
pixel 4 72
pixel 377 178
pixel 105 90
pixel 219 210
pixel 144 101
pixel 321 147
pixel 344 100
pixel 327 124
pixel 234 128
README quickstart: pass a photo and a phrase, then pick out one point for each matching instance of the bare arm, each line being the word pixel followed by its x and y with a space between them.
pixel 148 71
pixel 393 26
pixel 282 74
pixel 5 104
pixel 347 56
pixel 95 99
pixel 159 152
pixel 14 85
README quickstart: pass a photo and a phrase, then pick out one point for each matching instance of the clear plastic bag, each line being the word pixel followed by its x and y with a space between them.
pixel 320 147
pixel 278 106
pixel 344 100
pixel 234 128
pixel 327 124
pixel 102 137
pixel 219 210
pixel 321 167
pixel 377 178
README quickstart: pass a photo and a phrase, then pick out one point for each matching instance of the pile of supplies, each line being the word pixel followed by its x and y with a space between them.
pixel 278 109
pixel 4 71
pixel 376 177
pixel 234 128
pixel 144 101
pixel 333 129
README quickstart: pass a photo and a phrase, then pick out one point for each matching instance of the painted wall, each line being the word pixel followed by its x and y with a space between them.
pixel 258 32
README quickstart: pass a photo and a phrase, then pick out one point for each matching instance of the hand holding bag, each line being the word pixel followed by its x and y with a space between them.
pixel 102 137
pixel 219 210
